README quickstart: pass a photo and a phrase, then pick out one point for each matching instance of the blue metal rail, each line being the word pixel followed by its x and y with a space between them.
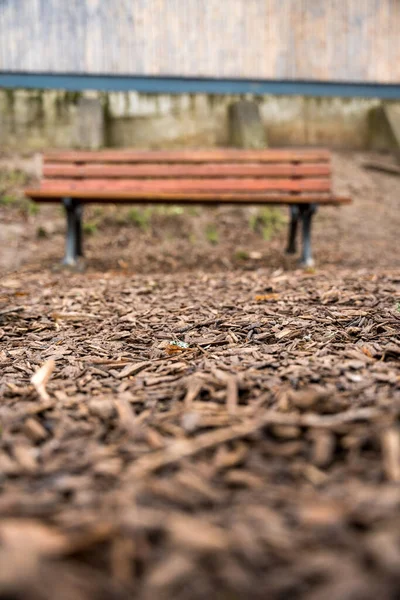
pixel 177 85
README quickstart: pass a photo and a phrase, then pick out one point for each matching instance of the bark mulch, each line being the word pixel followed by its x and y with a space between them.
pixel 199 436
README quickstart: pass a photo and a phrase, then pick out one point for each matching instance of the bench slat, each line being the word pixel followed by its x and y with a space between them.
pixel 188 156
pixel 49 195
pixel 190 185
pixel 102 170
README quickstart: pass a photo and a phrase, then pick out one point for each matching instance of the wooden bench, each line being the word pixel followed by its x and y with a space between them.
pixel 298 178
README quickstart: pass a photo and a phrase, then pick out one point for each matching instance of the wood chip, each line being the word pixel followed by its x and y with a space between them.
pixel 41 378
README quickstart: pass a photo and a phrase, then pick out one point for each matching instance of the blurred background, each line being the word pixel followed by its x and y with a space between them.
pixel 165 73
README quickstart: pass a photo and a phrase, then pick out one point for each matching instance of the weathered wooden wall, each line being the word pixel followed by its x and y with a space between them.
pixel 326 40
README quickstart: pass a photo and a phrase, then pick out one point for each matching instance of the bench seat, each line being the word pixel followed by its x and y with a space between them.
pixel 299 178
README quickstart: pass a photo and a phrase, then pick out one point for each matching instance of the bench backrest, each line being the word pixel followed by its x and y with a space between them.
pixel 214 171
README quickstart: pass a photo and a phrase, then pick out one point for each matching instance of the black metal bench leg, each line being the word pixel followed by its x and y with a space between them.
pixel 306 214
pixel 79 233
pixel 294 220
pixel 73 245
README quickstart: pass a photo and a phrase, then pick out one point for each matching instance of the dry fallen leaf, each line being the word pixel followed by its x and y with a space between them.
pixel 122 263
pixel 367 351
pixel 175 347
pixel 171 349
pixel 266 297
pixel 41 377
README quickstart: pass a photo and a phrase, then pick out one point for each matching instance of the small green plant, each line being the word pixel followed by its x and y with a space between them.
pixel 120 218
pixel 12 179
pixel 90 228
pixel 7 199
pixel 15 178
pixel 241 255
pixel 10 188
pixel 140 217
pixel 98 212
pixel 267 221
pixel 41 233
pixel 169 210
pixel 32 208
pixel 398 307
pixel 193 211
pixel 212 234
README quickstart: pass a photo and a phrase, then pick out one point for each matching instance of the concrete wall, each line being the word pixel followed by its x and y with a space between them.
pixel 32 120
pixel 319 40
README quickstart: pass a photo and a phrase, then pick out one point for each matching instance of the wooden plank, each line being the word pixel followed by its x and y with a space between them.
pixel 190 185
pixel 188 156
pixel 49 195
pixel 103 170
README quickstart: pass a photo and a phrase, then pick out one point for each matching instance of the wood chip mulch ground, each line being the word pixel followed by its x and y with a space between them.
pixel 200 436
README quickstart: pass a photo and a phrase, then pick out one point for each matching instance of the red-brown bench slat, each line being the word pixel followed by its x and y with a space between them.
pixel 188 156
pixel 114 171
pixel 190 185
